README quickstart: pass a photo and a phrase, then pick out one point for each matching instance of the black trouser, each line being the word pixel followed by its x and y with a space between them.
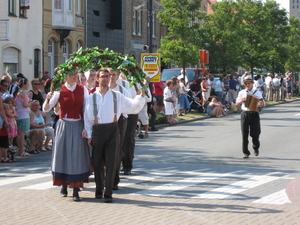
pixel 129 141
pixel 122 123
pixel 152 112
pixel 250 121
pixel 105 141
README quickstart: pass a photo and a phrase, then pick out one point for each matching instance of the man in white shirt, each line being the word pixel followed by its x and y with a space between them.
pixel 219 90
pixel 129 140
pixel 269 85
pixel 276 86
pixel 249 118
pixel 122 123
pixel 102 130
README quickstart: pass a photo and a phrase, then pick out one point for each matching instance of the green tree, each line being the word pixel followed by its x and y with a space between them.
pixel 293 60
pixel 277 32
pixel 180 46
pixel 223 36
pixel 255 22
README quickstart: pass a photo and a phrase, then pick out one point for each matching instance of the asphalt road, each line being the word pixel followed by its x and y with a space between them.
pixel 217 141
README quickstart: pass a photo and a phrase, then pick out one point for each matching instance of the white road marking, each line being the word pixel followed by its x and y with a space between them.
pixel 25 178
pixel 40 186
pixel 277 198
pixel 237 187
pixel 181 184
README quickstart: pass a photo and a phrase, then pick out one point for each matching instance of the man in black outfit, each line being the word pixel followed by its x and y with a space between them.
pixel 250 117
pixel 150 109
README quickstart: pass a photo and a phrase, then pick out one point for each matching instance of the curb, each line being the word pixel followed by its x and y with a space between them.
pixel 206 117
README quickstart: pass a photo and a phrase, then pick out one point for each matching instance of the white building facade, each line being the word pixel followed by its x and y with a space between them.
pixel 21 35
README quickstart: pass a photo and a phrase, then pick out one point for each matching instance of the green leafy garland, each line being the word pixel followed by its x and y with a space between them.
pixel 89 58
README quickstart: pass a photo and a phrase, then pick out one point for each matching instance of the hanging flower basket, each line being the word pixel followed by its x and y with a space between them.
pixel 89 58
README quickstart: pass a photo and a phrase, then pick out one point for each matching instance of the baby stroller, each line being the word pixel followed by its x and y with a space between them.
pixel 138 131
pixel 195 102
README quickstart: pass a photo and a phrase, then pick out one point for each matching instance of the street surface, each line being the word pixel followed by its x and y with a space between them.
pixel 191 173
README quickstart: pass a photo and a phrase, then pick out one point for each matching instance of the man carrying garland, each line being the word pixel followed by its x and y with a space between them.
pixel 101 114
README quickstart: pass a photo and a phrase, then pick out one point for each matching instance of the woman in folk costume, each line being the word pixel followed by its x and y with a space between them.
pixel 90 80
pixel 70 157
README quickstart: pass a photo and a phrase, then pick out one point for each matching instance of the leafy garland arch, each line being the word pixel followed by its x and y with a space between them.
pixel 85 59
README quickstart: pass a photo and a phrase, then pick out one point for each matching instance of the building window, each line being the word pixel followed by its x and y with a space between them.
pixel 78 7
pixel 12 7
pixel 23 8
pixel 134 22
pixel 37 54
pixel 96 34
pixel 57 4
pixel 4 30
pixel 69 5
pixel 50 46
pixel 11 60
pixel 51 50
pixel 96 13
pixel 65 48
pixel 137 22
pixel 78 45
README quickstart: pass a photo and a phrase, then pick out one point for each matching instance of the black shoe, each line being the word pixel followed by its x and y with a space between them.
pixel 154 129
pixel 99 196
pixel 115 187
pixel 76 197
pixel 64 191
pixel 127 172
pixel 256 152
pixel 246 156
pixel 108 199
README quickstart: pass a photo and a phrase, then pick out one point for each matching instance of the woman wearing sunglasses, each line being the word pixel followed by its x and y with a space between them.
pixel 35 93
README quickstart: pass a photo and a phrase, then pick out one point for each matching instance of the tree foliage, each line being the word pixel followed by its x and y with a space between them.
pixel 247 33
pixel 277 37
pixel 293 60
pixel 180 46
pixel 223 36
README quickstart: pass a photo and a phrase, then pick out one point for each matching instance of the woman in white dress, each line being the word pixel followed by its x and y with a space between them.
pixel 169 102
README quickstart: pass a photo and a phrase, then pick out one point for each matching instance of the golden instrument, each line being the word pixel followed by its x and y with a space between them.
pixel 252 103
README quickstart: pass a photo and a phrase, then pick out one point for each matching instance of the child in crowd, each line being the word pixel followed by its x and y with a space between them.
pixel 11 114
pixel 4 145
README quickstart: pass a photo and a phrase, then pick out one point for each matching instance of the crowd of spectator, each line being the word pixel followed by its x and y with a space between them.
pixel 171 98
pixel 21 118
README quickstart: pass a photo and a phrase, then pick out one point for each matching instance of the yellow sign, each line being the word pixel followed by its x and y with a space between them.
pixel 151 65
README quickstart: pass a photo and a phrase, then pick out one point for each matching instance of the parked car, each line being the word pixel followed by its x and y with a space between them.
pixel 192 74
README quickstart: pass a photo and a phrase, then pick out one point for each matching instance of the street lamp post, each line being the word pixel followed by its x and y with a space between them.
pixel 150 26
